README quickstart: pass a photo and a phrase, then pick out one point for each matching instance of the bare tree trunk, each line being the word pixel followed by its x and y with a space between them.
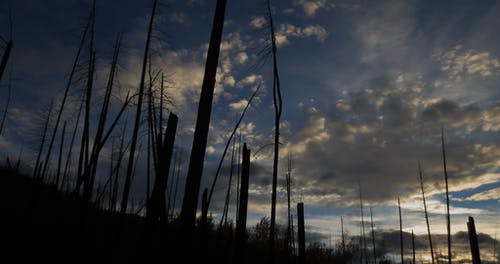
pixel 365 253
pixel 236 126
pixel 133 143
pixel 448 229
pixel 425 211
pixel 302 241
pixel 90 23
pixel 157 206
pixel 343 238
pixel 474 247
pixel 4 116
pixel 197 158
pixel 400 231
pixel 242 218
pixel 373 238
pixel 413 245
pixel 225 210
pixel 277 102
pixel 70 151
pixel 38 166
pixel 288 193
pixel 5 58
pixel 60 155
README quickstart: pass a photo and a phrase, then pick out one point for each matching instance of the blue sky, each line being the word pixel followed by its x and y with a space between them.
pixel 367 86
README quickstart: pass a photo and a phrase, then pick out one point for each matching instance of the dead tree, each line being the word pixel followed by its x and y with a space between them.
pixel 4 116
pixel 58 175
pixel 373 238
pixel 242 218
pixel 302 240
pixel 38 165
pixel 7 49
pixel 448 228
pixel 133 143
pixel 400 231
pixel 157 203
pixel 425 211
pixel 100 137
pixel 474 247
pixel 278 105
pixel 197 158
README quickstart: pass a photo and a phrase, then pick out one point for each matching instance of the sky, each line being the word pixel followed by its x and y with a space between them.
pixel 367 87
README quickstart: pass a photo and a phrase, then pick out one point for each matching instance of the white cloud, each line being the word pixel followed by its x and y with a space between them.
pixel 241 58
pixel 250 80
pixel 258 22
pixel 240 105
pixel 285 31
pixel 458 63
pixel 493 194
pixel 210 150
pixel 310 7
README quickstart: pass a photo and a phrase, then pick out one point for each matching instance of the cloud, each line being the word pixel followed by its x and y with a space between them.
pixel 241 58
pixel 376 135
pixel 385 31
pixel 492 194
pixel 310 7
pixel 177 17
pixel 240 105
pixel 258 22
pixel 286 31
pixel 459 63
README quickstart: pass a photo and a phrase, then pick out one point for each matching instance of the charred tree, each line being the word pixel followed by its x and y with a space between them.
pixel 301 233
pixel 425 211
pixel 448 229
pixel 90 24
pixel 135 133
pixel 474 246
pixel 400 231
pixel 157 203
pixel 197 158
pixel 242 218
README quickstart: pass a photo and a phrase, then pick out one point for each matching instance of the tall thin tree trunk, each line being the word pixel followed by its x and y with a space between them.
pixel 343 237
pixel 223 220
pixel 242 219
pixel 302 240
pixel 7 50
pixel 364 253
pixel 373 238
pixel 425 211
pixel 90 23
pixel 277 102
pixel 4 116
pixel 70 151
pixel 38 166
pixel 413 245
pixel 133 143
pixel 238 176
pixel 197 158
pixel 59 162
pixel 400 231
pixel 288 193
pixel 448 229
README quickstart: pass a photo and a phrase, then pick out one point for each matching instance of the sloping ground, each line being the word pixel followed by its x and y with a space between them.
pixel 43 224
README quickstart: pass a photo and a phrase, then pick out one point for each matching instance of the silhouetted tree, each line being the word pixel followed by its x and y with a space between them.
pixel 425 211
pixel 133 143
pixel 195 170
